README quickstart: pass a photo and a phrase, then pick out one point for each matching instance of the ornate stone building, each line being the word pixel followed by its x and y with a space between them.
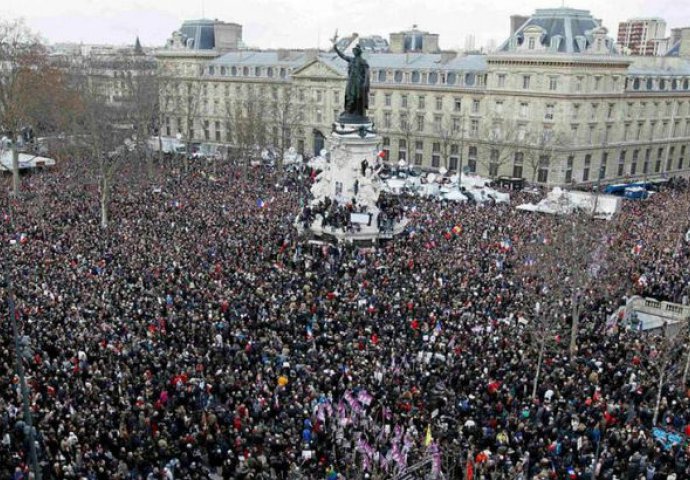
pixel 555 104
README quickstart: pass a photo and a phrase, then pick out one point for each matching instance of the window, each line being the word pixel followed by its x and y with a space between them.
pixel 574 133
pixel 650 84
pixel 493 163
pixel 629 110
pixel 680 157
pixel 576 111
pixel 659 156
pixel 402 149
pixel 633 162
pixel 319 96
pixel 398 76
pixel 569 169
pixel 626 131
pixel 454 156
pixel 421 103
pixel 621 163
pixel 638 133
pixel 531 43
pixel 217 131
pixel 585 169
pixel 475 106
pixel 319 116
pixel 548 115
pixel 498 107
pixel 669 159
pixel 457 104
pixel 433 78
pixel 474 127
pixel 543 174
pixel 501 80
pixel 636 84
pixel 456 125
pixel 403 101
pixel 439 103
pixel 609 112
pixel 547 134
pixel 382 75
pixel 387 100
pixel 602 167
pixel 597 83
pixel 257 71
pixel 524 110
pixel 553 83
pixel 403 122
pixel 595 108
pixel 451 78
pixel 472 159
pixel 518 161
pixel 525 81
pixel 206 130
pixel 336 97
pixel 415 77
pixel 647 159
pixel 386 148
pixel 470 79
pixel 437 123
pixel 418 152
pixel 387 120
pixel 607 134
pixel 578 83
pixel 420 123
pixel 372 99
pixel 436 155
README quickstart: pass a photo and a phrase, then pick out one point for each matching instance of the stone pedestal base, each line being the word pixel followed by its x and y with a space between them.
pixel 349 179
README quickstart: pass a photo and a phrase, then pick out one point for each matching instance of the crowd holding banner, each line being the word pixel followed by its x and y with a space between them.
pixel 199 336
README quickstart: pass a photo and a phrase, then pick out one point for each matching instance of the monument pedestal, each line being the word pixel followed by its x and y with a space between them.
pixel 346 192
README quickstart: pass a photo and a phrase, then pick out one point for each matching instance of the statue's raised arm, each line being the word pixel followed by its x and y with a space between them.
pixel 337 50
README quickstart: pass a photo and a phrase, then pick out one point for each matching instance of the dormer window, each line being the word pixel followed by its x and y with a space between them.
pixel 531 43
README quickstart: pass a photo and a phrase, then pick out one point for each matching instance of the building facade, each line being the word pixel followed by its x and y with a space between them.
pixel 555 104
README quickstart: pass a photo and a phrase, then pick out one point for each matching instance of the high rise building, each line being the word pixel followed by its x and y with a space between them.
pixel 642 36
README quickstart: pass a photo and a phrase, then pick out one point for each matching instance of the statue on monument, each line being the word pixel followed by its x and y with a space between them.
pixel 357 89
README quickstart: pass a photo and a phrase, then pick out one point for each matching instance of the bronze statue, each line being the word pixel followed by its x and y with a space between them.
pixel 357 89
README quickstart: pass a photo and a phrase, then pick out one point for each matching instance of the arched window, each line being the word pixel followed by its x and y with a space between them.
pixel 398 76
pixel 636 84
pixel 269 71
pixel 674 84
pixel 223 70
pixel 233 71
pixel 451 79
pixel 257 71
pixel 283 73
pixel 650 84
pixel 245 71
pixel 382 75
pixel 662 84
pixel 433 78
pixel 470 79
pixel 685 84
pixel 415 77
pixel 211 70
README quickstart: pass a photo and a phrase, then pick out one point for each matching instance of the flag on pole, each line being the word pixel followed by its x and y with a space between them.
pixel 428 438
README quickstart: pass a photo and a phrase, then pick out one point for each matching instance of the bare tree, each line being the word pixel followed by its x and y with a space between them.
pixel 143 105
pixel 449 134
pixel 30 88
pixel 505 138
pixel 285 115
pixel 248 117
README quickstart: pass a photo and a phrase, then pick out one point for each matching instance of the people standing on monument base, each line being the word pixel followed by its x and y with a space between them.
pixel 200 336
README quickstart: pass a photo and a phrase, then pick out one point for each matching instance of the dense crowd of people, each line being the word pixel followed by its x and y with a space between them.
pixel 199 337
